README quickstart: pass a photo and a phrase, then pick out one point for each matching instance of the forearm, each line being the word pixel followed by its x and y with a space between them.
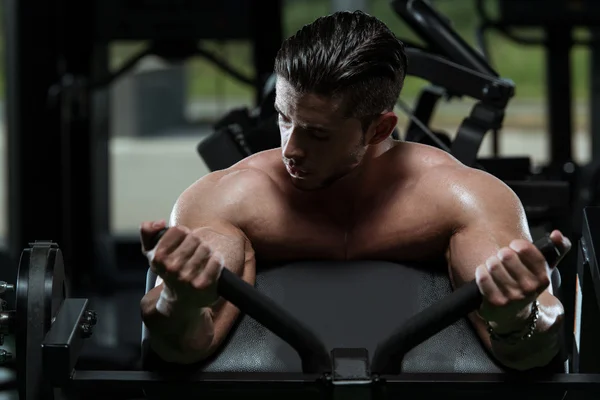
pixel 537 350
pixel 180 333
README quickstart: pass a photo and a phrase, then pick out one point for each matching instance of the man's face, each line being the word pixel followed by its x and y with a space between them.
pixel 319 144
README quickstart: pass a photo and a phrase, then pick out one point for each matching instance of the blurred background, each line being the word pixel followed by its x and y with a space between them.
pixel 110 109
pixel 152 162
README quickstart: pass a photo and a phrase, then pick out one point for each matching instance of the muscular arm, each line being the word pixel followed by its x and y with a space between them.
pixel 490 216
pixel 211 207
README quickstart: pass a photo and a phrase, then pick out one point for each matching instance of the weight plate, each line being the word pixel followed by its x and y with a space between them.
pixel 40 291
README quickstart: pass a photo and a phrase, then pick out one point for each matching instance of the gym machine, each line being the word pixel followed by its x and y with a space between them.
pixel 558 19
pixel 58 107
pixel 281 346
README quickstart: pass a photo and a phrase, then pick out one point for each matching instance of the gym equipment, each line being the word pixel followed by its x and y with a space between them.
pixel 74 116
pixel 316 279
pixel 558 19
pixel 587 302
pixel 441 39
pixel 327 374
pixel 6 321
pixel 40 291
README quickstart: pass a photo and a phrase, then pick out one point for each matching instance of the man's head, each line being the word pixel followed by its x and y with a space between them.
pixel 338 80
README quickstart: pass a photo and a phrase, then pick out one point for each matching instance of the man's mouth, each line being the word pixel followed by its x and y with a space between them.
pixel 296 172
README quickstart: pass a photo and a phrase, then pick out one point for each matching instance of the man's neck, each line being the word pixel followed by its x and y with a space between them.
pixel 353 183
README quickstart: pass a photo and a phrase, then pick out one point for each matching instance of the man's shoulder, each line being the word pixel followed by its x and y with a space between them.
pixel 224 195
pixel 464 190
pixel 249 175
pixel 415 160
pixel 441 175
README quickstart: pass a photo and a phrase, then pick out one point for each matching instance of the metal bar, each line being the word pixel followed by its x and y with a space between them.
pixel 468 382
pixel 62 344
pixel 268 313
pixel 450 381
pixel 436 30
pixel 75 45
pixel 266 42
pixel 458 79
pixel 560 102
pixel 595 92
pixel 200 377
pixel 588 305
pixel 472 131
pixel 591 242
pixel 548 12
pixel 33 134
pixel 428 100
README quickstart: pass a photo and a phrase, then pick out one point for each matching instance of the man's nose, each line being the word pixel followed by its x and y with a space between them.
pixel 293 149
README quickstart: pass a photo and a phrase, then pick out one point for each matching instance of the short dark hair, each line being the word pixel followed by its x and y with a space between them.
pixel 348 54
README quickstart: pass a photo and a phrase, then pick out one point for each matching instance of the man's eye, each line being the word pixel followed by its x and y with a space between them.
pixel 283 119
pixel 319 136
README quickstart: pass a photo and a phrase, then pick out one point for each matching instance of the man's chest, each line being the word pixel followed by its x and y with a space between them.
pixel 395 231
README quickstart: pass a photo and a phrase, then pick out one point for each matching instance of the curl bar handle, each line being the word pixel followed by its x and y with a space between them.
pixel 439 34
pixel 313 353
pixel 388 355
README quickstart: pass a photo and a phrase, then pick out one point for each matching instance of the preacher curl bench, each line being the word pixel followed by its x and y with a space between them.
pixel 351 307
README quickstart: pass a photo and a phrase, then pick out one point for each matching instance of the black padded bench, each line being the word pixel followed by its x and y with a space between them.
pixel 348 305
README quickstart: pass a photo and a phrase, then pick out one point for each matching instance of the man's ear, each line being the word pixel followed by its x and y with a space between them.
pixel 382 127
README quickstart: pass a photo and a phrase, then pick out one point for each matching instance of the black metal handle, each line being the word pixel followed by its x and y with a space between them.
pixel 440 36
pixel 313 353
pixel 388 355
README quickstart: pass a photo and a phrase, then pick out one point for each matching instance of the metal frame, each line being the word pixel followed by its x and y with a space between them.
pixel 492 92
pixel 270 382
pixel 459 80
pixel 64 341
pixel 586 346
pixel 435 30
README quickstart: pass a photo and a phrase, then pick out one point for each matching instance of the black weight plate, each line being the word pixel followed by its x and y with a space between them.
pixel 40 291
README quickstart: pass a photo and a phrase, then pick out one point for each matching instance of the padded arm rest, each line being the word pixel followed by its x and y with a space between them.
pixel 348 304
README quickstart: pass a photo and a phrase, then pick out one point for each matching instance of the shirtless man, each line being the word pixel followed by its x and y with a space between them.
pixel 340 188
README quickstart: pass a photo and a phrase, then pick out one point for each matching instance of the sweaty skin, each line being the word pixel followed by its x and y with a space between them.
pixel 349 197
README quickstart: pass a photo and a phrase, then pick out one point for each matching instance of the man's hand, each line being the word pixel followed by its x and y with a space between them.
pixel 511 281
pixel 188 265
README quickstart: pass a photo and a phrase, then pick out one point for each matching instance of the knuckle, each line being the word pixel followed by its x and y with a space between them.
pixel 544 281
pixel 160 255
pixel 528 286
pixel 494 266
pixel 505 254
pixel 205 250
pixel 180 230
pixel 483 278
pixel 521 246
pixel 499 301
pixel 202 282
pixel 173 265
pixel 185 276
pixel 193 238
pixel 516 295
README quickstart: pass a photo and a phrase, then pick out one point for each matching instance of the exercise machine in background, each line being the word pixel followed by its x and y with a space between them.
pixel 558 20
pixel 453 69
pixel 58 82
